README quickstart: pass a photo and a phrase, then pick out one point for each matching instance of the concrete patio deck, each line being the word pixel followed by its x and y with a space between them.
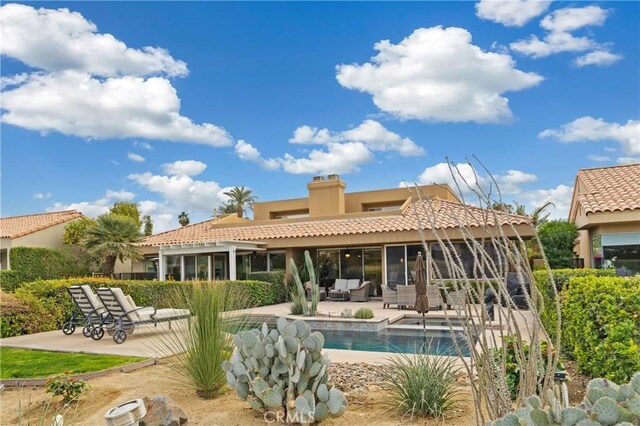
pixel 144 341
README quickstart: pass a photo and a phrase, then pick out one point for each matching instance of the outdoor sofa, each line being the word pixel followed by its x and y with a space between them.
pixel 352 289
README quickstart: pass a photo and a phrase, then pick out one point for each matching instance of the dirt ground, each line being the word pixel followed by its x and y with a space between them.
pixel 16 405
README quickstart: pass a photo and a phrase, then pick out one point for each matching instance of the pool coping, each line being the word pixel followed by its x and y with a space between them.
pixel 83 376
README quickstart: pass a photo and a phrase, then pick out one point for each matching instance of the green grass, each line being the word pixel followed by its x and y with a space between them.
pixel 26 363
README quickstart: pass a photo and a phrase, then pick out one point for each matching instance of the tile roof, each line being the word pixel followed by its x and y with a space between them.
pixel 18 226
pixel 609 189
pixel 443 214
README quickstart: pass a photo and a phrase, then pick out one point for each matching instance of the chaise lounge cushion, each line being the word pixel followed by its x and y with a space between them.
pixel 353 284
pixel 340 284
pixel 163 314
pixel 91 297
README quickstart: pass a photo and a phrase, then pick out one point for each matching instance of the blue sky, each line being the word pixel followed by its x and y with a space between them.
pixel 167 104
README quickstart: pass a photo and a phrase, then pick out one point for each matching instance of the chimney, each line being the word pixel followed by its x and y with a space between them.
pixel 326 197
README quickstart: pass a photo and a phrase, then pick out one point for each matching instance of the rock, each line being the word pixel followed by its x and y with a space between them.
pixel 162 412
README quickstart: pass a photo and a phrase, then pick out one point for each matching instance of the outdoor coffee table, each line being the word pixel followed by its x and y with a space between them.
pixel 339 296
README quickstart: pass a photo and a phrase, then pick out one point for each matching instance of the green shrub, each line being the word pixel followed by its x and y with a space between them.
pixel 421 385
pixel 51 300
pixel 65 386
pixel 278 288
pixel 557 237
pixel 10 279
pixel 601 325
pixel 363 313
pixel 561 277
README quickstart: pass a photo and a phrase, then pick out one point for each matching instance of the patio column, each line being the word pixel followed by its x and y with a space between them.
pixel 161 265
pixel 232 263
pixel 182 268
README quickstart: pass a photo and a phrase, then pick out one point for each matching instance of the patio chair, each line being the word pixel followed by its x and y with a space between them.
pixel 457 299
pixel 127 316
pixel 307 291
pixel 339 291
pixel 389 297
pixel 406 295
pixel 360 294
pixel 434 296
pixel 92 312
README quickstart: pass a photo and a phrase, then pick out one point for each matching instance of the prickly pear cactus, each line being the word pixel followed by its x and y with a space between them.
pixel 283 370
pixel 605 403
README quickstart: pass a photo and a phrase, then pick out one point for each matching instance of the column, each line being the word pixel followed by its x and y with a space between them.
pixel 232 263
pixel 161 266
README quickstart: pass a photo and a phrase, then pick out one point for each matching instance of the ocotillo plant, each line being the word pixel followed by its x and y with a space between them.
pixel 313 283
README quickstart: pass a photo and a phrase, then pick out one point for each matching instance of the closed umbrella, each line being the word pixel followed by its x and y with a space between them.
pixel 422 302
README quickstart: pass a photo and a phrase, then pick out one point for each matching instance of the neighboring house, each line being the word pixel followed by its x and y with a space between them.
pixel 606 209
pixel 34 230
pixel 369 235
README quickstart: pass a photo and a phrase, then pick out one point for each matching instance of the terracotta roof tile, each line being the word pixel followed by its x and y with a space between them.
pixel 439 214
pixel 610 189
pixel 18 226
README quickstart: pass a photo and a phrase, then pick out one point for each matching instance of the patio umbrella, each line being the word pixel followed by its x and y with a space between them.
pixel 422 303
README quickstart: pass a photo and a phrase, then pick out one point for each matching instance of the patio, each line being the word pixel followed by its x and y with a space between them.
pixel 144 341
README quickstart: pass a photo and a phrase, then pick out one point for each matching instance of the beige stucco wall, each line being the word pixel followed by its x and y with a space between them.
pixel 137 266
pixel 50 237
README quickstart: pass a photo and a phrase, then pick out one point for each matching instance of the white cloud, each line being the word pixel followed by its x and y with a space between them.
pixel 77 104
pixel 438 74
pixel 187 167
pixel 120 195
pixel 551 44
pixel 559 25
pixel 573 18
pixel 115 163
pixel 96 207
pixel 370 132
pixel 183 192
pixel 92 85
pixel 511 182
pixel 143 145
pixel 248 152
pixel 596 129
pixel 135 157
pixel 340 158
pixel 628 160
pixel 42 195
pixel 56 40
pixel 560 196
pixel 599 158
pixel 461 174
pixel 600 58
pixel 512 13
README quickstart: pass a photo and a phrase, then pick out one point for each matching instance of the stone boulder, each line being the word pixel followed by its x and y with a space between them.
pixel 161 411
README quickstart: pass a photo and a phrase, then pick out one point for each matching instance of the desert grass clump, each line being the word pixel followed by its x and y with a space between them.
pixel 363 313
pixel 198 346
pixel 422 385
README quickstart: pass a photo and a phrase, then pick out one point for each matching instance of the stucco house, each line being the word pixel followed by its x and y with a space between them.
pixel 34 230
pixel 372 235
pixel 606 209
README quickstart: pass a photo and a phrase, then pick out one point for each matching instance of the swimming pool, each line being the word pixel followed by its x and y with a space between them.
pixel 407 339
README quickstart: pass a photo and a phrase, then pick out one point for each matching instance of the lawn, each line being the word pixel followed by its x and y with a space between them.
pixel 26 363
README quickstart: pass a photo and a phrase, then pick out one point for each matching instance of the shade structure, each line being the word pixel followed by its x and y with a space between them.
pixel 422 303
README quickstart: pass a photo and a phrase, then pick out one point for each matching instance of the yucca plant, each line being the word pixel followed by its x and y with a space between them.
pixel 421 385
pixel 198 347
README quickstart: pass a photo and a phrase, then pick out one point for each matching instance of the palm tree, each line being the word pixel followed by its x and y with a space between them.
pixel 227 208
pixel 241 197
pixel 537 217
pixel 183 218
pixel 113 237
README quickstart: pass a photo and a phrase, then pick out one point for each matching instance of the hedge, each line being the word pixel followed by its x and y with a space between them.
pixel 561 277
pixel 602 325
pixel 33 263
pixel 277 291
pixel 53 305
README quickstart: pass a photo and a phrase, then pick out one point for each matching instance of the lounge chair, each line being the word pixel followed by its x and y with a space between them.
pixel 340 290
pixel 457 299
pixel 434 296
pixel 389 297
pixel 406 295
pixel 127 316
pixel 361 293
pixel 92 312
pixel 322 295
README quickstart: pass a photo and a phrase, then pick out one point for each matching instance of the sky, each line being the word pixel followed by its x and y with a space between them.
pixel 171 104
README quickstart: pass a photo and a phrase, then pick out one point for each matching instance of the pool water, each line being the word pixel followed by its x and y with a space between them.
pixel 392 340
pixel 433 322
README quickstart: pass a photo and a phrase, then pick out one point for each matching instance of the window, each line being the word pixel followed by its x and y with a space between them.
pixel 174 270
pixel 351 263
pixel 396 268
pixel 277 262
pixel 619 251
pixel 242 266
pixel 259 262
pixel 373 270
pixel 196 268
pixel 472 269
